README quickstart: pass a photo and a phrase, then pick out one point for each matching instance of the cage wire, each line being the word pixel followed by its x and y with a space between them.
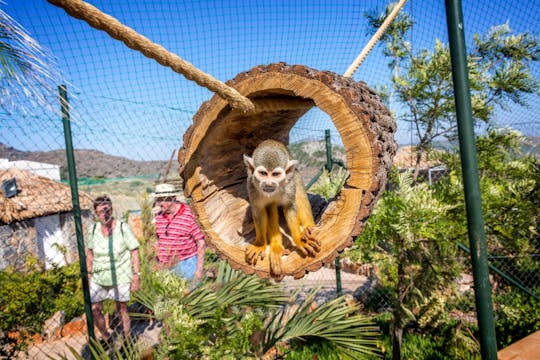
pixel 129 114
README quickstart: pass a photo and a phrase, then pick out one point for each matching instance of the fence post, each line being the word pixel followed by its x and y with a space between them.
pixel 328 167
pixel 473 202
pixel 64 103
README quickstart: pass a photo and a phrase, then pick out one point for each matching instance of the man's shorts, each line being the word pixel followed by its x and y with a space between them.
pixel 120 292
pixel 186 268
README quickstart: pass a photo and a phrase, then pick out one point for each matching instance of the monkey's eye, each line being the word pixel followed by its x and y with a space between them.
pixel 276 173
pixel 263 173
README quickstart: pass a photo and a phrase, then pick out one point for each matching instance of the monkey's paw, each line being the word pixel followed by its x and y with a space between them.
pixel 255 253
pixel 275 263
pixel 309 244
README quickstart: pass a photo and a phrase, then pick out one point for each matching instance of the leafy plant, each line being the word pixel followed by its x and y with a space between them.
pixel 500 74
pixel 28 299
pixel 238 316
pixel 517 316
pixel 509 182
pixel 350 334
pixel 26 74
pixel 329 183
pixel 417 254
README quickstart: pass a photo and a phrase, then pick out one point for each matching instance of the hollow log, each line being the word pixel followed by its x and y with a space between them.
pixel 215 176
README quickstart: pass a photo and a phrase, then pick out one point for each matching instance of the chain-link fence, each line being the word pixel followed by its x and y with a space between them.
pixel 128 115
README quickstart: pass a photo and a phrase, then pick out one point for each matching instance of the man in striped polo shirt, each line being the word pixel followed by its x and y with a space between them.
pixel 180 246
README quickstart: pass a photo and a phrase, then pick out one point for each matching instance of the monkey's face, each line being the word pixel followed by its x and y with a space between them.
pixel 269 181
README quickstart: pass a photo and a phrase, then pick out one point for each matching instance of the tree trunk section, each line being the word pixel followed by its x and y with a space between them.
pixel 215 176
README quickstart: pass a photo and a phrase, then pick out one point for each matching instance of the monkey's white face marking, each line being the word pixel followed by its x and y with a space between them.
pixel 269 181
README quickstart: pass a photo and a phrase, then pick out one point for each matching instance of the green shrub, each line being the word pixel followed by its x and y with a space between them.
pixel 28 299
pixel 316 349
pixel 516 317
pixel 437 343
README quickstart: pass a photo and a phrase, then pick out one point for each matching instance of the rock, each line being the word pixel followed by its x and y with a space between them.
pixel 52 327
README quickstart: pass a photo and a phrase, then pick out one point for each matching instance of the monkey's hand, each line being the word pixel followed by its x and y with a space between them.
pixel 309 245
pixel 255 253
pixel 276 251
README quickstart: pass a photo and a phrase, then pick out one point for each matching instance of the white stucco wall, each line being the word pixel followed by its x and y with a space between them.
pixel 47 170
pixel 52 243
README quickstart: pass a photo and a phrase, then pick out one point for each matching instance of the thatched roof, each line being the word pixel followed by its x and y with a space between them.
pixel 37 196
pixel 406 159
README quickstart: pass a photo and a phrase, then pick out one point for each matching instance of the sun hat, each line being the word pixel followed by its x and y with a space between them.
pixel 168 190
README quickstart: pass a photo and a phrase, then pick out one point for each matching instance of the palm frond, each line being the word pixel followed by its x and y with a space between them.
pixel 28 77
pixel 229 288
pixel 232 288
pixel 336 321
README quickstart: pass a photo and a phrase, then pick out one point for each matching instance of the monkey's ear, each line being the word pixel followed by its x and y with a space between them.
pixel 249 163
pixel 291 165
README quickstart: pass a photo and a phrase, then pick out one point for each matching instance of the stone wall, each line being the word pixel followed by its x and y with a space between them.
pixel 18 241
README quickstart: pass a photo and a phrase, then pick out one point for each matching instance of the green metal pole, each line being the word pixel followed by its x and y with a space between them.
pixel 328 142
pixel 475 222
pixel 64 103
pixel 328 167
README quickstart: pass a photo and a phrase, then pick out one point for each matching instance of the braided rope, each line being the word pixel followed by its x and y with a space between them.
pixel 101 21
pixel 369 46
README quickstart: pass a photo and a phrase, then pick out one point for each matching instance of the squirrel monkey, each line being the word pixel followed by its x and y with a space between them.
pixel 273 181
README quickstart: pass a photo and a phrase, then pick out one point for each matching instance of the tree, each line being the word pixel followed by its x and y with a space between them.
pixel 26 76
pixel 510 189
pixel 410 228
pixel 499 73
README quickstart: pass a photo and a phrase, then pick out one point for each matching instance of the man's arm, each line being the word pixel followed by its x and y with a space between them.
pixel 89 261
pixel 201 248
pixel 135 265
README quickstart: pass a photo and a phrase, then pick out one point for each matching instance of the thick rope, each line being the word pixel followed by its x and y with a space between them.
pixel 97 19
pixel 360 59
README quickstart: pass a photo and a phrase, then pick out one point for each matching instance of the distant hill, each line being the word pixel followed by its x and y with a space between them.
pixel 91 163
pixel 535 148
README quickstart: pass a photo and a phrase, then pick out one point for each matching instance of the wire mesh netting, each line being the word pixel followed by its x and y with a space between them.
pixel 128 115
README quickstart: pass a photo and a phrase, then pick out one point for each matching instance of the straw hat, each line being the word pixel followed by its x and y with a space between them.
pixel 168 190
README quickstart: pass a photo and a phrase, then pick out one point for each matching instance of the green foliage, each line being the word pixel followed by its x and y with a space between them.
pixel 500 74
pixel 215 319
pixel 411 239
pixel 421 344
pixel 351 334
pixel 301 350
pixel 28 299
pixel 517 317
pixel 329 184
pixel 395 237
pixel 236 316
pixel 510 188
pixel 28 78
pixel 409 225
pixel 128 349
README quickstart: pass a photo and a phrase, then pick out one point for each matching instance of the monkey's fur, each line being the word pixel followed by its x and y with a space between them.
pixel 273 181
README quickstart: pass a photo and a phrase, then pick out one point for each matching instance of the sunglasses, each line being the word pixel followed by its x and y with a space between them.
pixel 103 210
pixel 164 199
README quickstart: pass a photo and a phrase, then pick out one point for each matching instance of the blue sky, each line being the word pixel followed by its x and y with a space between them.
pixel 125 104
